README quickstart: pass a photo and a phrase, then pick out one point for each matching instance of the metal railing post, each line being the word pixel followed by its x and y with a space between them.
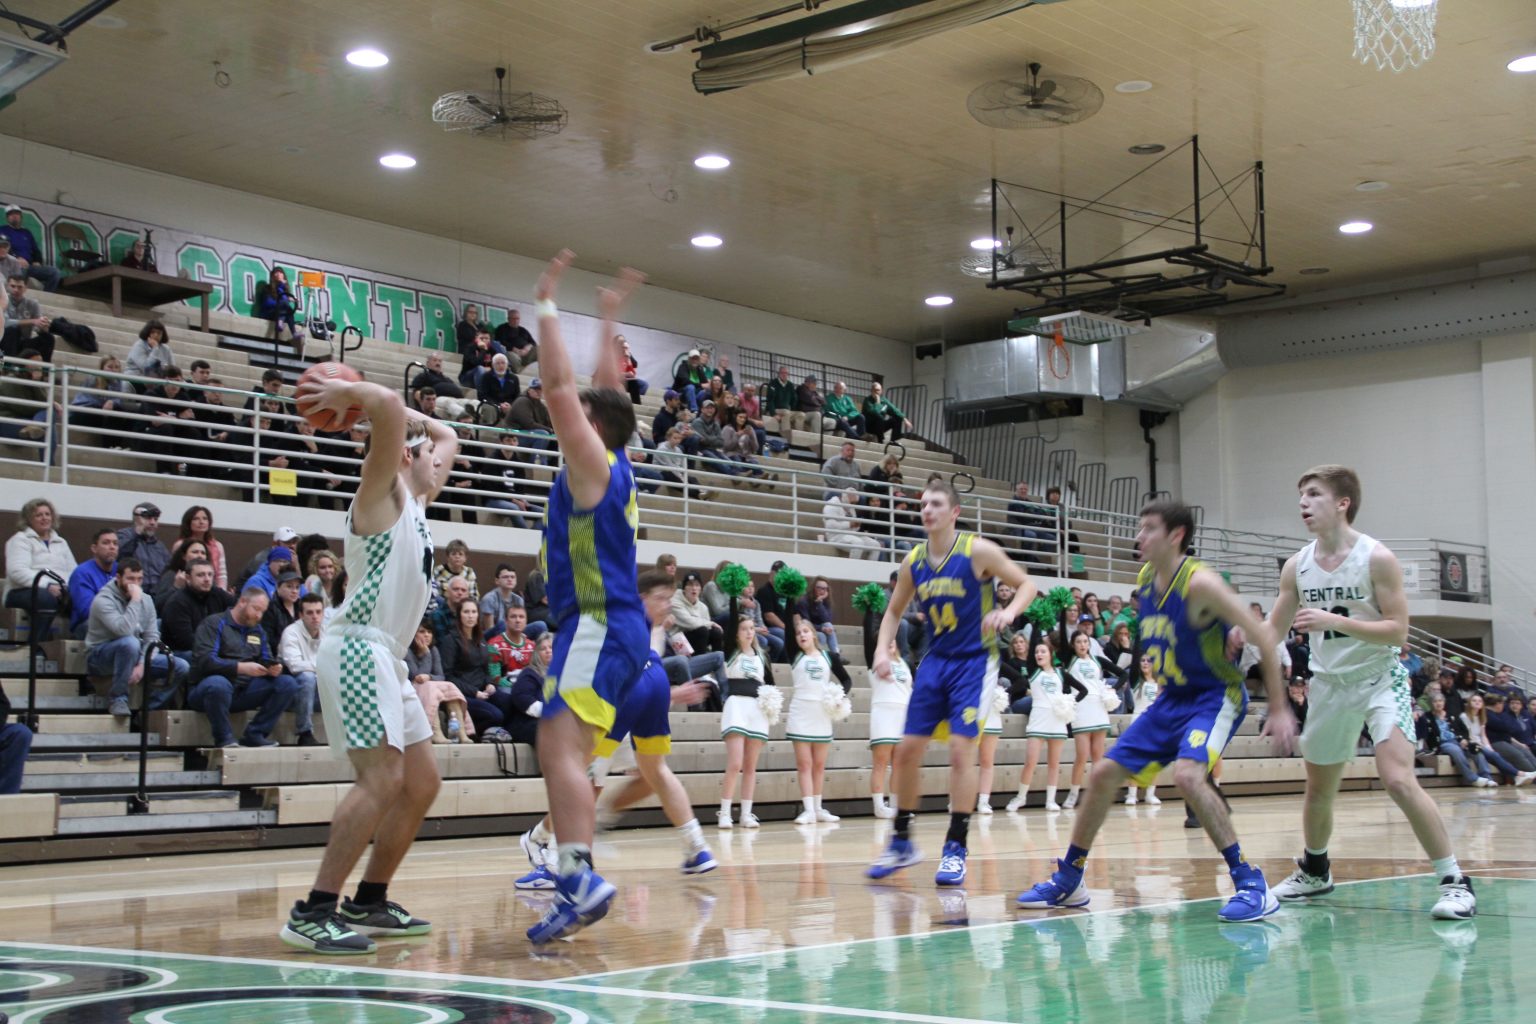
pixel 138 800
pixel 256 453
pixel 34 644
pixel 64 426
pixel 794 510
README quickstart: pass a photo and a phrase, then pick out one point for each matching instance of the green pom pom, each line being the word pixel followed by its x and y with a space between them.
pixel 789 583
pixel 870 598
pixel 733 579
pixel 1059 599
pixel 1039 613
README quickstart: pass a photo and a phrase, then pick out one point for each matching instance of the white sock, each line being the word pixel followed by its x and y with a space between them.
pixel 725 807
pixel 1151 791
pixel 542 835
pixel 809 802
pixel 693 835
pixel 1073 792
pixel 817 798
pixel 1023 794
pixel 878 800
pixel 1446 867
pixel 1050 794
pixel 574 858
pixel 746 808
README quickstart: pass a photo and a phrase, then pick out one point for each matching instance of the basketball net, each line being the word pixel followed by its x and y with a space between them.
pixel 1061 357
pixel 1396 34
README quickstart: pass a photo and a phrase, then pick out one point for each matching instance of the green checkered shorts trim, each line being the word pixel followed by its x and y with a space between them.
pixel 359 694
pixel 366 591
pixel 1402 699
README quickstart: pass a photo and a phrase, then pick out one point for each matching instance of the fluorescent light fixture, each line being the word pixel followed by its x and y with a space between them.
pixel 983 244
pixel 1523 65
pixel 1147 148
pixel 1134 85
pixel 398 161
pixel 707 241
pixel 22 60
pixel 712 162
pixel 1372 186
pixel 1356 227
pixel 367 57
pixel 939 300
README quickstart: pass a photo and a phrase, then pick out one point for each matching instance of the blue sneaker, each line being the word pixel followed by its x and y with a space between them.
pixel 1057 891
pixel 583 899
pixel 539 878
pixel 699 863
pixel 1252 902
pixel 901 853
pixel 951 865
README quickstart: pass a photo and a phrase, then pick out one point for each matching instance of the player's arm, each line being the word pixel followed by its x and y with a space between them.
pixel 901 596
pixel 1387 581
pixel 994 563
pixel 1283 612
pixel 385 411
pixel 610 353
pixel 1210 597
pixel 584 452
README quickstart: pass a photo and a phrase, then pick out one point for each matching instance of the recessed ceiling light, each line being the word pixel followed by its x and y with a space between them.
pixel 983 244
pixel 1147 148
pixel 1356 227
pixel 398 161
pixel 712 162
pixel 108 21
pixel 938 300
pixel 1134 85
pixel 1313 270
pixel 707 241
pixel 1372 186
pixel 367 57
pixel 1523 65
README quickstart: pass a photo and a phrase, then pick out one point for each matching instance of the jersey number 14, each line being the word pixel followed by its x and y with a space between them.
pixel 944 619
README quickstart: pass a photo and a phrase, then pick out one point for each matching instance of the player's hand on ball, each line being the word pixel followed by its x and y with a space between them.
pixel 550 279
pixel 1281 730
pixel 330 393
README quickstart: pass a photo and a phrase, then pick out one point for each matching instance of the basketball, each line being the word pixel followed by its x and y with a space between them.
pixel 324 419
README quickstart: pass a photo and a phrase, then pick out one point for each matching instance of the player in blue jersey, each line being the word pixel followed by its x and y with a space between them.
pixel 1184 613
pixel 602 639
pixel 952 575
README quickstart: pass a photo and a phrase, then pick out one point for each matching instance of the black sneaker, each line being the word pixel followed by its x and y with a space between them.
pixel 321 930
pixel 386 918
pixel 307 739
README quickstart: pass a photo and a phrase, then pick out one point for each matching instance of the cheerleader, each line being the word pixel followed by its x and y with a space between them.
pixel 991 732
pixel 1047 724
pixel 1142 695
pixel 1090 727
pixel 809 725
pixel 887 724
pixel 743 724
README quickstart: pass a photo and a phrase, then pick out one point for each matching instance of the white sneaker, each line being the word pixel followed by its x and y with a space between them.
pixel 1299 885
pixel 1153 800
pixel 984 807
pixel 1485 783
pixel 1130 798
pixel 1016 803
pixel 723 820
pixel 824 815
pixel 805 818
pixel 1521 778
pixel 1052 805
pixel 1457 901
pixel 749 820
pixel 885 811
pixel 1071 802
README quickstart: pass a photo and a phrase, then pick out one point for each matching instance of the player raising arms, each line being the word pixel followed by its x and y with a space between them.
pixel 1184 612
pixel 1346 590
pixel 602 638
pixel 371 710
pixel 952 575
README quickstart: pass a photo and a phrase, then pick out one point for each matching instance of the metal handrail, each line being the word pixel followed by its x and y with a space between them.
pixel 138 800
pixel 34 644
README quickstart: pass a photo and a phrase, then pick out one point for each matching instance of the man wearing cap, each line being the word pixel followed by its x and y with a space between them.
pixel 268 575
pixel 283 609
pixel 529 414
pixel 140 541
pixel 692 379
pixel 283 536
pixel 25 248
pixel 121 626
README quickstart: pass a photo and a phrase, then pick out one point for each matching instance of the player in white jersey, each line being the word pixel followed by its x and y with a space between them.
pixel 1346 590
pixel 371 710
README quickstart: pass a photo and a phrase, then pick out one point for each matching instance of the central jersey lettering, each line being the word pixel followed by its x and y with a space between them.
pixel 1326 594
pixel 1157 627
pixel 941 586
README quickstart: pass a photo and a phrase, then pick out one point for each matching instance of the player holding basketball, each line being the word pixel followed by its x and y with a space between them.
pixel 951 574
pixel 371 710
pixel 1184 611
pixel 1346 590
pixel 602 638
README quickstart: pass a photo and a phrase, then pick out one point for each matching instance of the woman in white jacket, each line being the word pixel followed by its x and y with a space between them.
pixel 837 520
pixel 36 546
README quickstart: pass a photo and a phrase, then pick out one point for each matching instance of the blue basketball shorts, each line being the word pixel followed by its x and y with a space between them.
pixel 594 667
pixel 1180 727
pixel 643 717
pixel 948 695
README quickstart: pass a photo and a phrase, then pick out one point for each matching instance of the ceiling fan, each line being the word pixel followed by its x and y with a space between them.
pixel 1033 103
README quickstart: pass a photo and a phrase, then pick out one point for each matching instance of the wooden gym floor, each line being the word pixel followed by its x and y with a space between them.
pixel 787 929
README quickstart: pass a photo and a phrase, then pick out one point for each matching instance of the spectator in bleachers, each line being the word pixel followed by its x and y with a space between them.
pixel 175 576
pixel 89 577
pixel 466 664
pixel 816 608
pixel 424 666
pixel 172 431
pixel 886 477
pixel 1474 716
pixel 740 444
pixel 200 376
pixel 24 247
pixel 477 359
pixel 433 377
pixel 535 599
pixel 691 617
pixel 525 700
pixel 9 265
pixel 35 546
pixel 1503 681
pixel 1028 520
pixel 1505 733
pixel 810 403
pixel 692 379
pixel 723 371
pixel 188 607
pixel 25 326
pixel 522 350
pixel 275 301
pixel 138 257
pixel 774 608
pixel 716 391
pixel 841 472
pixel 1444 733
pixel 323 568
pixel 508 484
pixel 23 398
pixel 1463 687
pixel 456 563
pixel 629 366
pixel 845 415
pixel 107 394
pixel 15 745
pixel 465 330
pixel 780 400
pixel 500 386
pixel 752 405
pixel 511 648
pixel 716 600
pixel 282 537
pixel 501 599
pixel 121 627
pixel 530 415
pixel 708 428
pixel 142 541
pixel 266 577
pixel 270 386
pixel 238 671
pixel 839 520
pixel 151 354
pixel 647 479
pixel 881 417
pixel 197 524
pixel 1519 709
pixel 283 609
pixel 671 461
pixel 672 414
pixel 908 516
pixel 455 591
pixel 297 648
pixel 1014 670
